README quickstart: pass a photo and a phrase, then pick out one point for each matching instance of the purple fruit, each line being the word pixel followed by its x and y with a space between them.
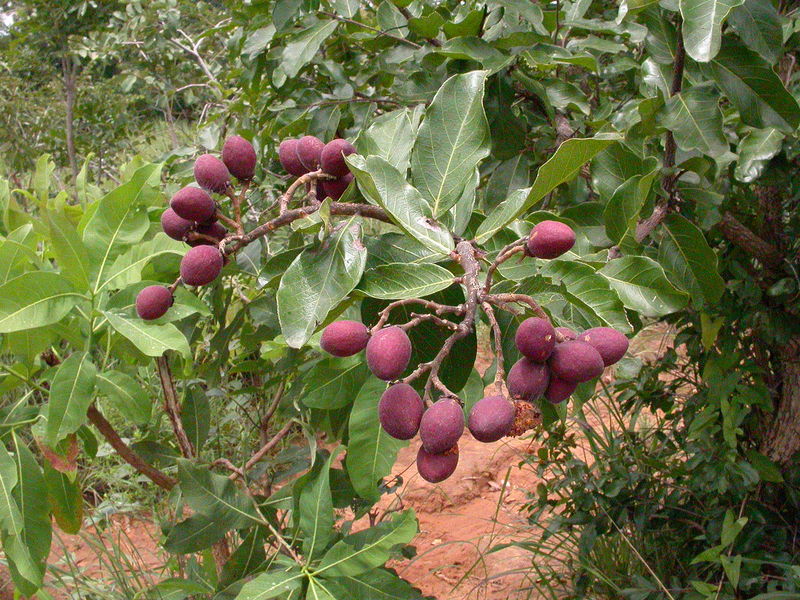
pixel 550 239
pixel 434 468
pixel 610 343
pixel 388 353
pixel 536 339
pixel 567 333
pixel 174 226
pixel 240 157
pixel 211 173
pixel 336 187
pixel 309 150
pixel 215 230
pixel 576 362
pixel 559 390
pixel 332 157
pixel 193 204
pixel 287 154
pixel 201 265
pixel 153 301
pixel 400 411
pixel 491 418
pixel 527 380
pixel 344 338
pixel 441 425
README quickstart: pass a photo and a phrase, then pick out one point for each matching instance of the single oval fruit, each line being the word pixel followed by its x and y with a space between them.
pixel 441 425
pixel 610 343
pixel 332 157
pixel 550 239
pixel 287 154
pixel 211 173
pixel 174 226
pixel 567 333
pixel 193 204
pixel 536 339
pixel 240 157
pixel 491 418
pixel 153 302
pixel 388 353
pixel 576 362
pixel 201 265
pixel 559 390
pixel 336 187
pixel 344 338
pixel 400 411
pixel 527 380
pixel 309 150
pixel 434 468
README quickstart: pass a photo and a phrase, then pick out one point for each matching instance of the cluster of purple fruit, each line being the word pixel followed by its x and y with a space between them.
pixel 548 368
pixel 309 153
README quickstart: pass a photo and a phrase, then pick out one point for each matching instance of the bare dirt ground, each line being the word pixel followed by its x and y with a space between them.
pixel 460 520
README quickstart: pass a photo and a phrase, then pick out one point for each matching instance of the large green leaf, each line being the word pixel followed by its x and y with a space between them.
pixel 316 510
pixel 246 559
pixel 196 416
pixel 18 248
pixel 118 221
pixel 621 214
pixel 755 150
pixel 398 281
pixel 273 584
pixel 364 551
pixel 10 516
pixel 195 533
pixel 453 139
pixel 384 185
pixel 216 496
pixel 702 26
pixel 127 395
pixel 559 168
pixel 317 280
pixel 391 136
pixel 127 268
pixel 380 584
pixel 152 339
pixel 71 393
pixel 70 253
pixel 65 499
pixel 371 451
pixel 759 25
pixel 302 48
pixel 35 299
pixel 695 120
pixel 685 254
pixel 643 286
pixel 753 87
pixel 333 382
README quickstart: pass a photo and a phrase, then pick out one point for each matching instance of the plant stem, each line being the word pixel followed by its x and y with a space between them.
pixel 172 407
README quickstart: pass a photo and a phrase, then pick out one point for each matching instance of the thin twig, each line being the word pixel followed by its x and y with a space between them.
pixel 172 406
pixel 500 372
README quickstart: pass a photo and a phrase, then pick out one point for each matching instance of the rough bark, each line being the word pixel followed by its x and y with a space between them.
pixel 782 439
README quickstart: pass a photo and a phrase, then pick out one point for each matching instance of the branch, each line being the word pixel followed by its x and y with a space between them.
pixel 172 406
pixel 439 309
pixel 739 235
pixel 500 373
pixel 266 448
pixel 126 453
pixel 380 32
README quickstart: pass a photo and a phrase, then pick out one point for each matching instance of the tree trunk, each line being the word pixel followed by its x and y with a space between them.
pixel 782 439
pixel 69 72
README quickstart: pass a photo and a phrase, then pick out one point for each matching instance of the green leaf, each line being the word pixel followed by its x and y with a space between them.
pixel 333 382
pixel 216 496
pixel 127 268
pixel 686 255
pixel 453 139
pixel 273 584
pixel 196 416
pixel 643 286
pixel 10 517
pixel 119 220
pixel 346 8
pixel 70 253
pixel 316 510
pixel 759 25
pixel 126 395
pixel 380 584
pixel 755 150
pixel 151 339
pixel 16 249
pixel 399 281
pixel 702 26
pixel 477 49
pixel 71 393
pixel 195 533
pixel 695 119
pixel 391 136
pixel 364 551
pixel 301 50
pixel 621 214
pixel 371 452
pixel 384 185
pixel 559 168
pixel 318 280
pixel 65 499
pixel 246 559
pixel 35 299
pixel 767 470
pixel 754 88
